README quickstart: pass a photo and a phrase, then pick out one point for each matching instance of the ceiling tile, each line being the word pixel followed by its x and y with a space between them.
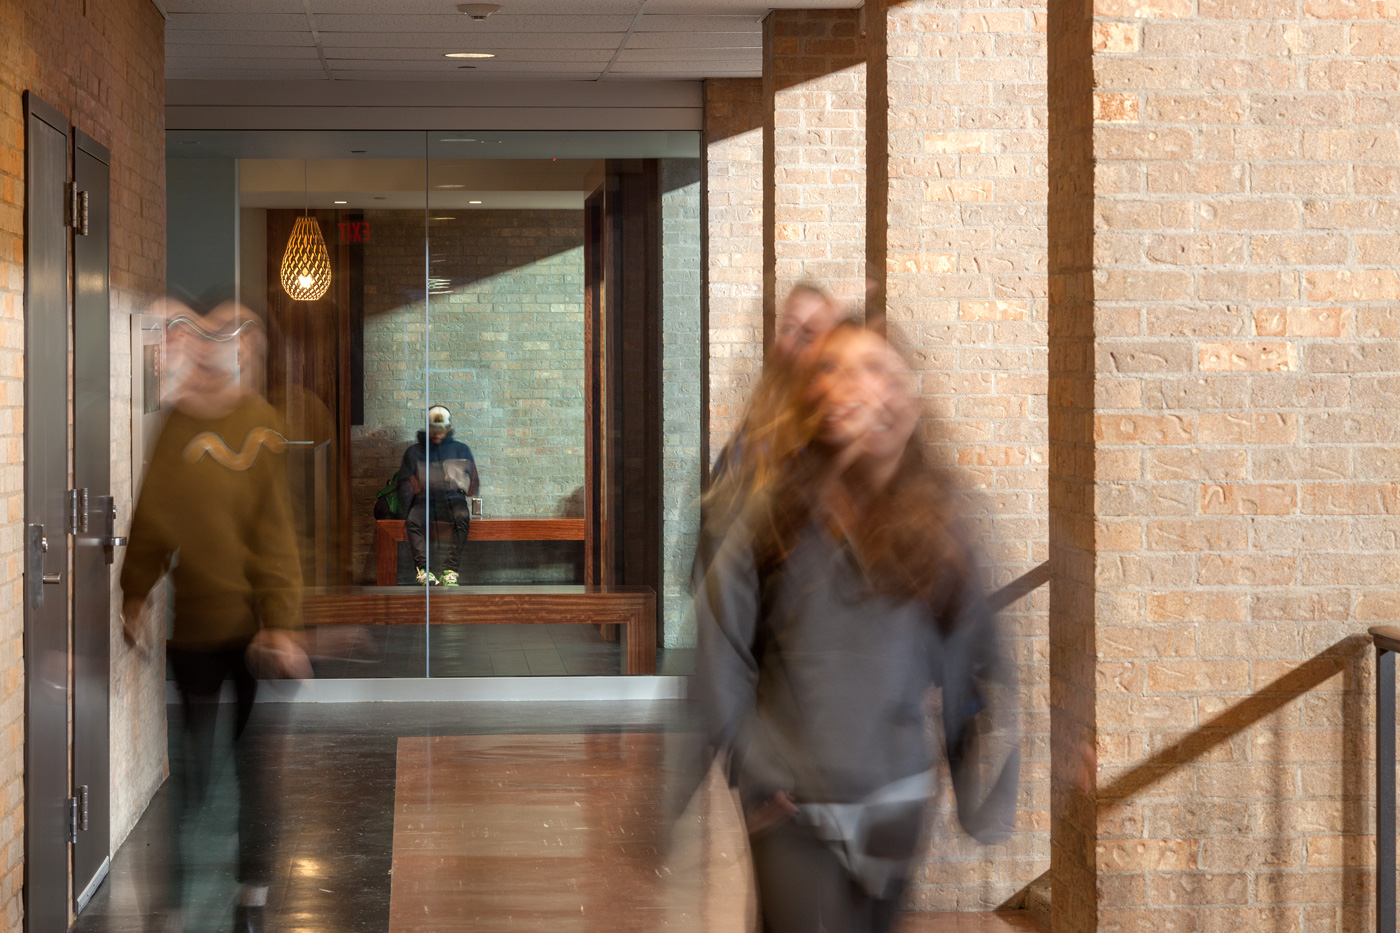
pixel 246 74
pixel 272 22
pixel 718 56
pixel 699 68
pixel 436 58
pixel 457 24
pixel 745 7
pixel 692 40
pixel 184 51
pixel 672 23
pixel 183 63
pixel 523 76
pixel 228 6
pixel 427 69
pixel 505 40
pixel 235 38
pixel 528 7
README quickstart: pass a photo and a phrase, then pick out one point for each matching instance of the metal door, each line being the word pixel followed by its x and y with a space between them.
pixel 94 511
pixel 46 543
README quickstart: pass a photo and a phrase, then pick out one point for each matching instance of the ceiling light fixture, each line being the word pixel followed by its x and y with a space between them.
pixel 469 55
pixel 478 11
pixel 473 202
pixel 451 186
pixel 306 265
pixel 340 202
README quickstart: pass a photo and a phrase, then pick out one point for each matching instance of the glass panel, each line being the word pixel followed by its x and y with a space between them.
pixel 544 290
pixel 340 368
pixel 511 271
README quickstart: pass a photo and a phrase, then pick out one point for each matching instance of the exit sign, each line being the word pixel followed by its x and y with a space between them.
pixel 354 231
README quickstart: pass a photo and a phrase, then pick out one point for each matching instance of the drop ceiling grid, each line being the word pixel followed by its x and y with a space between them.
pixel 546 39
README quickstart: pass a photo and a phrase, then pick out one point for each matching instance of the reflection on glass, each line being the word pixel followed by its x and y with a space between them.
pixel 462 269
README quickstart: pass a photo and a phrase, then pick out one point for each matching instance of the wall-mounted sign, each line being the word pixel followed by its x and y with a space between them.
pixel 354 231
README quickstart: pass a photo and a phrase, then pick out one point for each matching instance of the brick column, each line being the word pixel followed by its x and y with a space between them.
pixel 814 154
pixel 733 249
pixel 1245 197
pixel 957 195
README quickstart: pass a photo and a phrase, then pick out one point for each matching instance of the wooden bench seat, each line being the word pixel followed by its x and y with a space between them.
pixel 389 532
pixel 632 608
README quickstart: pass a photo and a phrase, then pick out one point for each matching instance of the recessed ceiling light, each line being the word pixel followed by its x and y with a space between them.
pixel 340 202
pixel 470 55
pixel 451 186
pixel 473 202
pixel 444 218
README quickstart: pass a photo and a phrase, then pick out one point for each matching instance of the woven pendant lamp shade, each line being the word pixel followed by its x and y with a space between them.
pixel 306 266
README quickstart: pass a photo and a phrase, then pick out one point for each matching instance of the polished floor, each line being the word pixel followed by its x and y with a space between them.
pixel 409 818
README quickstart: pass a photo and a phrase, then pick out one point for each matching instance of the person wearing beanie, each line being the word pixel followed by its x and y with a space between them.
pixel 438 478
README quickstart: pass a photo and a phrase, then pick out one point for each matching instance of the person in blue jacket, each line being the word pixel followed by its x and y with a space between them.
pixel 438 478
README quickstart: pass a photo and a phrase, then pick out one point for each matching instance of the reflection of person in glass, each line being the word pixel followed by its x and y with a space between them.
pixel 438 477
pixel 841 595
pixel 215 514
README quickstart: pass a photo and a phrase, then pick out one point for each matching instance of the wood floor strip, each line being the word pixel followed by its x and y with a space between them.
pixel 564 834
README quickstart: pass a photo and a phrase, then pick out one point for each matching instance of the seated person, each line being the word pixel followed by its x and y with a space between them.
pixel 437 479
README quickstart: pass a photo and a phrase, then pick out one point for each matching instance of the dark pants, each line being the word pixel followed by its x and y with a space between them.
pixel 444 509
pixel 199 676
pixel 802 888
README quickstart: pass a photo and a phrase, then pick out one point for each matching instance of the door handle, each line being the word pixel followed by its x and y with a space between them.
pixel 36 546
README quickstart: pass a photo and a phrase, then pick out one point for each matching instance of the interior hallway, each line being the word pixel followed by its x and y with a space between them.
pixel 411 818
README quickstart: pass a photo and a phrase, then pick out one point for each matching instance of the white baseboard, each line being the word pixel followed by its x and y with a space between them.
pixel 465 690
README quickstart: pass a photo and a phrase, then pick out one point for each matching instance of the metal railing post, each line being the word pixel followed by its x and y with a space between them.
pixel 1385 778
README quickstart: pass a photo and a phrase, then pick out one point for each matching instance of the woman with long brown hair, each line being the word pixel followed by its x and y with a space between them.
pixel 842 594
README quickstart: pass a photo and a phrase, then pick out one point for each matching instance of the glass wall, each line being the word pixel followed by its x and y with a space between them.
pixel 484 351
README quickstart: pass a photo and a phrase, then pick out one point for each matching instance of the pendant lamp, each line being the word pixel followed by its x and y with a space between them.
pixel 306 266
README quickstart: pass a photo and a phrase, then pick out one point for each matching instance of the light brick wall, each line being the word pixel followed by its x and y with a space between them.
pixel 965 299
pixel 1245 291
pixel 734 250
pixel 506 355
pixel 814 153
pixel 102 65
pixel 680 395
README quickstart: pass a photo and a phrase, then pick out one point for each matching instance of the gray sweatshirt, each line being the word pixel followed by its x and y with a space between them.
pixel 815 685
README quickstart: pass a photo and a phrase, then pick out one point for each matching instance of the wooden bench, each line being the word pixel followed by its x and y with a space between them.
pixel 632 608
pixel 390 531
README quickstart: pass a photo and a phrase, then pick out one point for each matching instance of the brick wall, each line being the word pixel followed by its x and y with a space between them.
pixel 962 143
pixel 733 199
pixel 1245 291
pixel 814 153
pixel 681 415
pixel 506 355
pixel 102 65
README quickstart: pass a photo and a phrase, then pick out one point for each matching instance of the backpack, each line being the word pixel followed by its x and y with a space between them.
pixel 386 501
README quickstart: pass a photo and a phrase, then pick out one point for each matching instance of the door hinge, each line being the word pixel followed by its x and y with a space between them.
pixel 72 821
pixel 77 511
pixel 77 209
pixel 83 808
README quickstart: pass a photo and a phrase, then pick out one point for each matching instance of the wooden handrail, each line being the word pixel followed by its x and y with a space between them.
pixel 1386 637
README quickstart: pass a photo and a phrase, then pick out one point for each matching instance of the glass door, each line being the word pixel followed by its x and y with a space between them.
pixel 483 352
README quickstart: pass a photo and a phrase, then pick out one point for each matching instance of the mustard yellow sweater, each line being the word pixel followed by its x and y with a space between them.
pixel 215 513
